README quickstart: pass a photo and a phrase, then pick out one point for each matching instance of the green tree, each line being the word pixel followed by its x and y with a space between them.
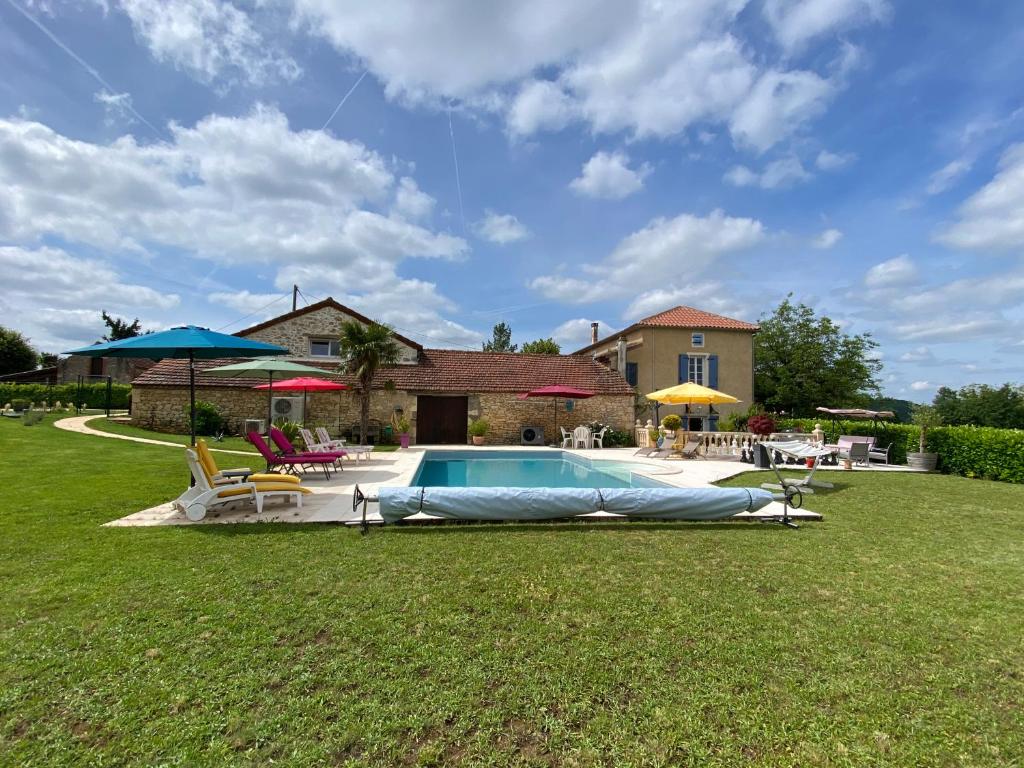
pixel 118 329
pixel 802 361
pixel 982 405
pixel 546 346
pixel 501 339
pixel 364 350
pixel 16 354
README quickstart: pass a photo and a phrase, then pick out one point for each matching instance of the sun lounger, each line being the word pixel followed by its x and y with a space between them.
pixel 691 450
pixel 284 445
pixel 356 451
pixel 217 476
pixel 798 449
pixel 291 463
pixel 197 500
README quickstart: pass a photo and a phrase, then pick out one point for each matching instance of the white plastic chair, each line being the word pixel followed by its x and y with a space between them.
pixel 581 437
pixel 598 440
pixel 566 438
pixel 356 451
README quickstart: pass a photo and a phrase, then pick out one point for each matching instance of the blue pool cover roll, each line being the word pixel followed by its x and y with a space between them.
pixel 397 503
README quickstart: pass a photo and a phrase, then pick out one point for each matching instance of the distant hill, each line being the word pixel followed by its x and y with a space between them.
pixel 902 408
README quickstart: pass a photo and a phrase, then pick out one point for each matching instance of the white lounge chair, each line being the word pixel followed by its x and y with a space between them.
pixel 355 451
pixel 197 500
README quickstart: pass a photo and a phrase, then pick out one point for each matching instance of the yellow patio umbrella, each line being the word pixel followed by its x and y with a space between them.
pixel 690 394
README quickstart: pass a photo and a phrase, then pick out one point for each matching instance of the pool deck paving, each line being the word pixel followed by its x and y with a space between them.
pixel 331 500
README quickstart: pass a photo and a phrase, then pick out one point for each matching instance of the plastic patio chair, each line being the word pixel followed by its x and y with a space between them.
pixel 598 438
pixel 566 438
pixel 581 437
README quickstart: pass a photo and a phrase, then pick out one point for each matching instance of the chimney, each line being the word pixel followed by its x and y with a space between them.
pixel 593 333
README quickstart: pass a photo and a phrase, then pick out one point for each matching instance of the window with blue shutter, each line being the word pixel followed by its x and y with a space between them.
pixel 684 369
pixel 713 371
pixel 631 373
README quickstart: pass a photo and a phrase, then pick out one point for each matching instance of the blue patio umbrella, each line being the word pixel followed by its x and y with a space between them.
pixel 185 342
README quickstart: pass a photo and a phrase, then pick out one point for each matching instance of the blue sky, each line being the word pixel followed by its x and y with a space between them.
pixel 178 161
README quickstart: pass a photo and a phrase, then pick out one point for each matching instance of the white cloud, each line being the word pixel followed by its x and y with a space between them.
pixel 898 271
pixel 922 386
pixel 646 259
pixel 917 355
pixel 993 217
pixel 574 334
pixel 646 67
pixel 232 191
pixel 270 304
pixel 501 228
pixel 827 239
pixel 831 161
pixel 410 201
pixel 778 174
pixel 210 40
pixel 946 176
pixel 709 295
pixel 608 175
pixel 796 22
pixel 118 106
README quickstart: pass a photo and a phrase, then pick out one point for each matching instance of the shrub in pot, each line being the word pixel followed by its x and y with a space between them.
pixel 671 423
pixel 477 429
pixel 761 425
pixel 925 417
pixel 402 426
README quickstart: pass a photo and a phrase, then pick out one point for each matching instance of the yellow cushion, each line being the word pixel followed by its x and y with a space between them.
pixel 206 460
pixel 271 477
pixel 262 488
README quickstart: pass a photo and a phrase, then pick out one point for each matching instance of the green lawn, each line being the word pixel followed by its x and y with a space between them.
pixel 889 634
pixel 228 443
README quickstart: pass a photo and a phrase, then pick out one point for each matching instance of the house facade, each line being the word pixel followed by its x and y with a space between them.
pixel 679 345
pixel 439 390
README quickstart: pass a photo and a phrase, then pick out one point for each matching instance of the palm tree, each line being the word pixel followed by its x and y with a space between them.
pixel 365 349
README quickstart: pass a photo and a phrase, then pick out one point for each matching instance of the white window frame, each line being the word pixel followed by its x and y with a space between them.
pixel 697 364
pixel 693 339
pixel 324 340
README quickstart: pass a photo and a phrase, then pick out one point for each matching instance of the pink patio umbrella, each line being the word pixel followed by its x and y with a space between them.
pixel 556 391
pixel 305 384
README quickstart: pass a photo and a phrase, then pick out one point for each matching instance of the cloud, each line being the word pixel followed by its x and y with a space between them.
pixel 574 334
pixel 244 190
pixel 922 386
pixel 827 239
pixel 898 271
pixel 648 68
pixel 209 40
pixel 118 106
pixel 709 295
pixel 917 355
pixel 646 259
pixel 946 176
pixel 609 176
pixel 993 217
pixel 797 22
pixel 501 228
pixel 269 304
pixel 830 161
pixel 778 174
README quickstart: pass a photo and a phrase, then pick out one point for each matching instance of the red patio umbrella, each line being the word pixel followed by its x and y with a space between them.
pixel 556 391
pixel 306 384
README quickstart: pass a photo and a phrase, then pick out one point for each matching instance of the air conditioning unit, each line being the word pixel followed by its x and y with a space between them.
pixel 288 408
pixel 531 435
pixel 255 425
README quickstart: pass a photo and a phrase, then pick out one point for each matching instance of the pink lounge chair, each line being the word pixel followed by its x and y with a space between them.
pixel 290 464
pixel 284 445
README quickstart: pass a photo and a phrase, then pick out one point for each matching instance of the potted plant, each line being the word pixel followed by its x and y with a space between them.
pixel 477 429
pixel 763 426
pixel 925 417
pixel 402 427
pixel 671 423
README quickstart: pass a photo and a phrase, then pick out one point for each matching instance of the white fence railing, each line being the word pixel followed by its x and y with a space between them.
pixel 720 443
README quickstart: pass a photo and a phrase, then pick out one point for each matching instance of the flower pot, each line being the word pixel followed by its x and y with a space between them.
pixel 478 439
pixel 810 462
pixel 925 461
pixel 403 440
pixel 847 463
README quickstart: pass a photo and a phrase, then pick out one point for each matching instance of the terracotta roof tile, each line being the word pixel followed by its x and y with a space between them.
pixel 439 370
pixel 689 317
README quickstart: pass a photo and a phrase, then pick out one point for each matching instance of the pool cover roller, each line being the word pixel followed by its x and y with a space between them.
pixel 397 503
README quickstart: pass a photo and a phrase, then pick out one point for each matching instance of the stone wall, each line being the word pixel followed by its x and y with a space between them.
pixel 164 409
pixel 324 323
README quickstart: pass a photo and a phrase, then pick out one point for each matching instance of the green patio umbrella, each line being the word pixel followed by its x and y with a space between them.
pixel 267 367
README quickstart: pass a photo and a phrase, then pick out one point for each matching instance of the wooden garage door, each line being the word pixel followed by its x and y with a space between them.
pixel 441 420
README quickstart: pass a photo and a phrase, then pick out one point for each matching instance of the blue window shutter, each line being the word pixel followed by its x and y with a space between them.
pixel 713 371
pixel 631 373
pixel 684 369
pixel 713 422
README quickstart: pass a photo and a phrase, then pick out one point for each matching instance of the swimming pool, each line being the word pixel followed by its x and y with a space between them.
pixel 528 469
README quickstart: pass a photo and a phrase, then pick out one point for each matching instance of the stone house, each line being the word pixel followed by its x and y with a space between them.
pixel 439 390
pixel 679 345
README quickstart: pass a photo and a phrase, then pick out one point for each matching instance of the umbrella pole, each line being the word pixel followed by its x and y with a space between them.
pixel 270 402
pixel 304 407
pixel 558 435
pixel 192 397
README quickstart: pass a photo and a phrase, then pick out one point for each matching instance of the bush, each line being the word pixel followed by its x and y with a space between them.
pixel 761 424
pixel 93 395
pixel 19 404
pixel 672 422
pixel 289 428
pixel 209 419
pixel 479 427
pixel 613 438
pixel 984 452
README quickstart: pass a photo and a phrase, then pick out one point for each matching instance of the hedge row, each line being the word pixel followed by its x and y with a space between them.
pixel 93 395
pixel 984 452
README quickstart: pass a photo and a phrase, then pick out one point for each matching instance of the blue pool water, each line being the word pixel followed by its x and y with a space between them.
pixel 526 469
